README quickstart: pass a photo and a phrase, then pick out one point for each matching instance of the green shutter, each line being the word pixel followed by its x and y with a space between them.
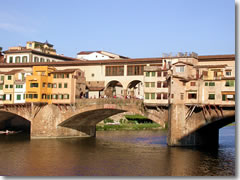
pixel 146 95
pixel 18 97
pixel 152 95
pixel 224 97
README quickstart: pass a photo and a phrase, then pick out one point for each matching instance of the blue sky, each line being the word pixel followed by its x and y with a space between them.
pixel 133 28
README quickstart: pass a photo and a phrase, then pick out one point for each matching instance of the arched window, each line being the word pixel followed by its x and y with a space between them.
pixel 48 60
pixel 41 59
pixel 24 59
pixel 36 59
pixel 17 59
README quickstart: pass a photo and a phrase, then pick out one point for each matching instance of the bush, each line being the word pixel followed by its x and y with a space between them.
pixel 108 120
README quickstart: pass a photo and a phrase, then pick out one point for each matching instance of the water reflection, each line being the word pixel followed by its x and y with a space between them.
pixel 117 153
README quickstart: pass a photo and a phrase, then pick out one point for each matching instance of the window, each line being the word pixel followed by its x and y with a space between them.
pixel 30 96
pixel 146 95
pixel 146 84
pixel 24 59
pixel 148 74
pixel 6 86
pixel 114 71
pixel 1 87
pixel 49 85
pixel 179 68
pixel 9 77
pixel 65 85
pixel 35 96
pixel 54 85
pixel 34 85
pixel 192 83
pixel 66 96
pixel 60 96
pixel 60 85
pixel 159 95
pixel 42 60
pixel 11 86
pixel 36 59
pixel 165 96
pixel 67 75
pixel 153 74
pixel 17 59
pixel 192 96
pixel 19 97
pixel 134 70
pixel 182 96
pixel 165 84
pixel 10 59
pixel 152 95
pixel 48 60
pixel 230 83
pixel 228 73
pixel 159 73
pixel 62 76
pixel 55 76
pixel 152 84
pixel 206 83
pixel 165 73
pixel 19 86
pixel 2 78
pixel 211 83
pixel 228 97
pixel 44 84
pixel 159 84
pixel 211 96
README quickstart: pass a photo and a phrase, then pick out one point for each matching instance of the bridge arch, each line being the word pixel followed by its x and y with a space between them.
pixel 85 118
pixel 14 122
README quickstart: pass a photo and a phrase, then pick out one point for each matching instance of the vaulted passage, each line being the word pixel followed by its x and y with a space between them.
pixel 13 122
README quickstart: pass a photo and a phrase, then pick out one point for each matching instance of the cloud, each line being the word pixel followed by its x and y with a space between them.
pixel 16 28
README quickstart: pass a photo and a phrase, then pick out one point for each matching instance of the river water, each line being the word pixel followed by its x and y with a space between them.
pixel 115 153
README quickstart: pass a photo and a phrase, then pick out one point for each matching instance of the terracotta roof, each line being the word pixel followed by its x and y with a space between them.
pixel 87 52
pixel 93 62
pixel 228 78
pixel 211 66
pixel 43 54
pixel 65 71
pixel 225 57
pixel 190 64
pixel 12 72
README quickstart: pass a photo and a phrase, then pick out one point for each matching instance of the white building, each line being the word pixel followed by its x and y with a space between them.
pixel 20 87
pixel 98 55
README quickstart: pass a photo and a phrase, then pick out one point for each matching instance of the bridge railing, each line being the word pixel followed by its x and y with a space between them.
pixel 119 101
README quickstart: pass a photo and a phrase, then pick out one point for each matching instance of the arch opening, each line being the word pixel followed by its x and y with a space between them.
pixel 208 135
pixel 114 89
pixel 14 123
pixel 135 89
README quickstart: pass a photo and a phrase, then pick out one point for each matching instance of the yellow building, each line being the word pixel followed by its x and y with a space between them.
pixel 39 85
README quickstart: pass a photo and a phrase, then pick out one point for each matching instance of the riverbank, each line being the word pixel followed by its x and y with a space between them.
pixel 141 126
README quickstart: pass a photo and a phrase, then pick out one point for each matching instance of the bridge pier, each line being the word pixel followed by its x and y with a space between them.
pixel 199 129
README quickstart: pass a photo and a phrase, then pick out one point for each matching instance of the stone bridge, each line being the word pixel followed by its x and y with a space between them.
pixel 187 125
pixel 55 120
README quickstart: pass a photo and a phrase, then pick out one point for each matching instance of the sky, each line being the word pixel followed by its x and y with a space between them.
pixel 132 28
